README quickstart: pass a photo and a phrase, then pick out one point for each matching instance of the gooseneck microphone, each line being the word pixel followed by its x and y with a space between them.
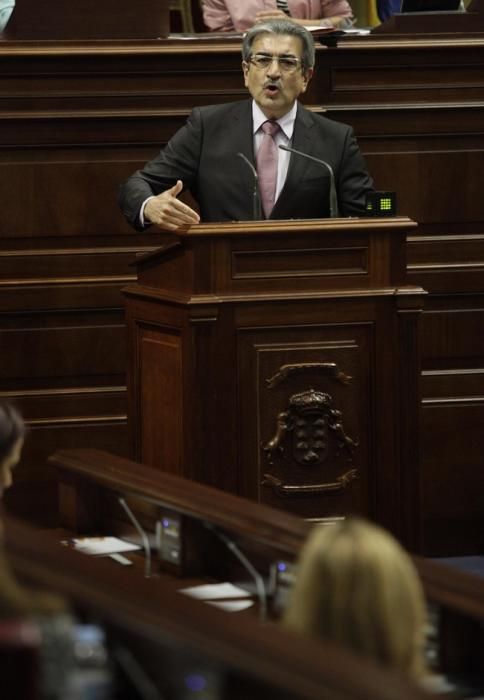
pixel 333 199
pixel 144 537
pixel 256 205
pixel 260 585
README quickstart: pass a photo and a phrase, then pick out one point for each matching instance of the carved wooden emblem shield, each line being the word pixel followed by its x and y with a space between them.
pixel 311 422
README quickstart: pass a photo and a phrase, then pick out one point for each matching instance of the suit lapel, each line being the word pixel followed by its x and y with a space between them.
pixel 301 141
pixel 242 140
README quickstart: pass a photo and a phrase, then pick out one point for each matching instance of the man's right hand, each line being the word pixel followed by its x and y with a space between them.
pixel 168 212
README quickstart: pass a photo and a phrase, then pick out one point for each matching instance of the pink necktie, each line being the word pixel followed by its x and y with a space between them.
pixel 267 157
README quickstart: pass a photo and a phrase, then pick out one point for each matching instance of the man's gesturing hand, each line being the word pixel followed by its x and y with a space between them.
pixel 168 212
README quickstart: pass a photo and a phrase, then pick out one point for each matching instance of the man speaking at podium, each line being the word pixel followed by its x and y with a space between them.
pixel 231 156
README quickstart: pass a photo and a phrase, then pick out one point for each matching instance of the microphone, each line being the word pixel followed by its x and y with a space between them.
pixel 333 199
pixel 260 586
pixel 256 207
pixel 144 537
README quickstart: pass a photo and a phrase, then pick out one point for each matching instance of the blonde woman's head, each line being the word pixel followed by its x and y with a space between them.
pixel 356 586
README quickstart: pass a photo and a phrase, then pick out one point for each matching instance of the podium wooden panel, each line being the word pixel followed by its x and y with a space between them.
pixel 278 360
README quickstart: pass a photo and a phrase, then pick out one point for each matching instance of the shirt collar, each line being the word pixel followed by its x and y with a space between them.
pixel 286 122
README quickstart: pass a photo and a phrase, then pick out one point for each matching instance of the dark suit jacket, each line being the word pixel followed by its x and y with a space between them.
pixel 203 154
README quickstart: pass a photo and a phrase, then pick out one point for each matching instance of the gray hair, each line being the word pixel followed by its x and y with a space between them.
pixel 283 27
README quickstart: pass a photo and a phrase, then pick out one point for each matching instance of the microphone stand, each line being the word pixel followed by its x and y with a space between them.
pixel 142 533
pixel 260 586
pixel 256 207
pixel 333 197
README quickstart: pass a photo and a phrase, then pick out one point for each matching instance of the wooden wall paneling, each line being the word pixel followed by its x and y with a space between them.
pixel 63 188
pixel 76 121
pixel 66 372
pixel 389 71
pixel 388 464
pixel 408 385
pixel 418 117
pixel 65 252
pixel 447 259
pixel 445 254
pixel 423 141
pixel 78 118
pixel 89 19
pixel 452 416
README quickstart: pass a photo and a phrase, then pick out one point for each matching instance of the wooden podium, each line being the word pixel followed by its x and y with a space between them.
pixel 278 360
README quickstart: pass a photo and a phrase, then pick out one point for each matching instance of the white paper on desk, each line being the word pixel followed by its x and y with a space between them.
pixel 359 32
pixel 231 605
pixel 215 591
pixel 103 545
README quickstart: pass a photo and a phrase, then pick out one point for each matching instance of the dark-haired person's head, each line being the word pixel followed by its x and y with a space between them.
pixel 12 432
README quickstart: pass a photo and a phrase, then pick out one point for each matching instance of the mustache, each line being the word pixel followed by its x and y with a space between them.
pixel 272 83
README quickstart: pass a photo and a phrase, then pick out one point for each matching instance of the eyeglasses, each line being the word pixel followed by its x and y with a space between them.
pixel 287 64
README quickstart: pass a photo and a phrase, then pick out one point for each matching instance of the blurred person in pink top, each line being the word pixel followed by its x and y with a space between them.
pixel 237 16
